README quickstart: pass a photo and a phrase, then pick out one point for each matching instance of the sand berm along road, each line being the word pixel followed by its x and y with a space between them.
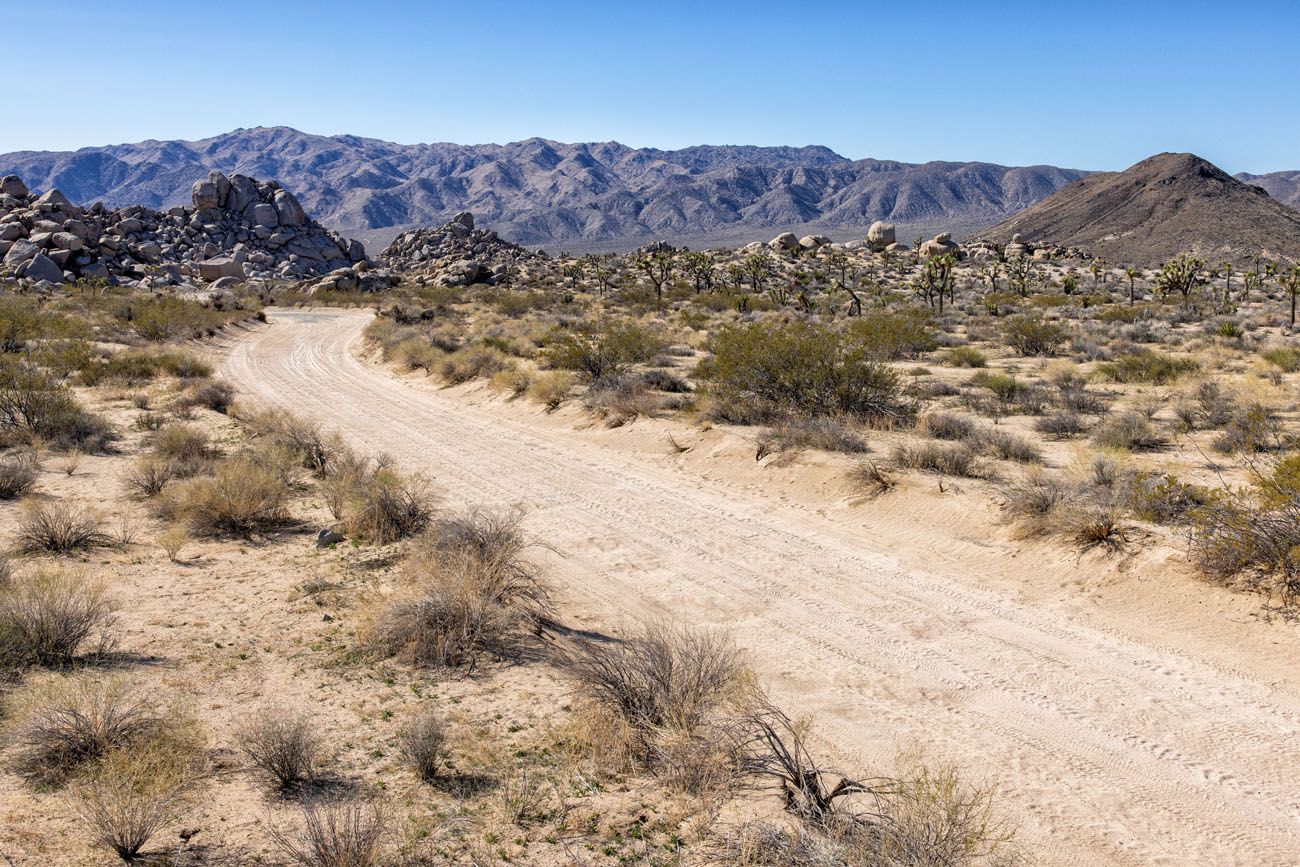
pixel 1107 748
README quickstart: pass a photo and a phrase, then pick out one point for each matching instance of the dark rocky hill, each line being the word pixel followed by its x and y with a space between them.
pixel 1164 205
pixel 1283 186
pixel 542 192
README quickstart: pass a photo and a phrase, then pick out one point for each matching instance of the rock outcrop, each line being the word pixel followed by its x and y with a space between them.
pixel 456 254
pixel 238 228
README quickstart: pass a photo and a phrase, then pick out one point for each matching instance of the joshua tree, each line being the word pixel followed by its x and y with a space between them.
pixel 1020 270
pixel 1132 274
pixel 1290 281
pixel 989 272
pixel 573 272
pixel 658 266
pixel 601 267
pixel 700 267
pixel 758 268
pixel 935 279
pixel 1098 270
pixel 1182 274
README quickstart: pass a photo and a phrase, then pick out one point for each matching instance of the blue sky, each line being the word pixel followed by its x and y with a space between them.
pixel 1087 85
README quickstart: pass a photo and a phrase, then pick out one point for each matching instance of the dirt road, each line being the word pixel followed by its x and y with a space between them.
pixel 1111 747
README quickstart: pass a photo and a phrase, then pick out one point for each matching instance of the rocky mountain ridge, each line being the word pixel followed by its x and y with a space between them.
pixel 1165 205
pixel 540 192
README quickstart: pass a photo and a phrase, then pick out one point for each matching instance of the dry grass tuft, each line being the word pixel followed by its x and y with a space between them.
pixel 335 834
pixel 57 527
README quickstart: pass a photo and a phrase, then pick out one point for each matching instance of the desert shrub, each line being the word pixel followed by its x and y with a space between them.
pixel 244 497
pixel 1253 427
pixel 798 432
pixel 18 473
pixel 1096 522
pixel 131 795
pixel 1005 386
pixel 949 459
pixel 514 380
pixel 1029 335
pixel 57 527
pixel 48 616
pixel 551 388
pixel 1060 425
pixel 148 475
pixel 870 480
pixel 303 438
pixel 416 353
pixel 759 371
pixel 1285 358
pixel 603 348
pixel 281 743
pixel 895 334
pixel 964 356
pixel 469 591
pixel 1129 430
pixel 423 742
pixel 1146 366
pixel 662 380
pixel 1164 499
pixel 34 405
pixel 382 506
pixel 946 426
pixel 335 834
pixel 1006 445
pixel 621 399
pixel 214 395
pixel 472 362
pixel 61 725
pixel 1032 503
pixel 661 677
pixel 182 443
pixel 169 317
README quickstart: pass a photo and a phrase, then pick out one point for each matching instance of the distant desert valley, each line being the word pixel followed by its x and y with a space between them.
pixel 581 504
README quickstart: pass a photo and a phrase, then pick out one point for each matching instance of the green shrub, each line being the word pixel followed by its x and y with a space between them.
pixel 1286 358
pixel 603 348
pixel 243 498
pixel 893 335
pixel 34 405
pixel 1129 430
pixel 760 371
pixel 1146 366
pixel 1028 335
pixel 964 356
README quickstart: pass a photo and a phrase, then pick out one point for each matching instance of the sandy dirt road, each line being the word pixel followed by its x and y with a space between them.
pixel 1110 747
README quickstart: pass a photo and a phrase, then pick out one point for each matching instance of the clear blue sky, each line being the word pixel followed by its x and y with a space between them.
pixel 1087 85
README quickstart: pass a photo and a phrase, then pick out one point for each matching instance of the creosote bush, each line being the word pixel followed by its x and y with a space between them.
pixel 764 370
pixel 603 348
pixel 132 794
pixel 244 497
pixel 56 527
pixel 1146 366
pixel 18 473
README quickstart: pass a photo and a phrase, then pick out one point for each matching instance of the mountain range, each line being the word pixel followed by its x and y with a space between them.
pixel 540 192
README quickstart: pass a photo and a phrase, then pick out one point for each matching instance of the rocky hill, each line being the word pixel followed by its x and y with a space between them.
pixel 547 193
pixel 1283 186
pixel 456 254
pixel 1164 205
pixel 236 227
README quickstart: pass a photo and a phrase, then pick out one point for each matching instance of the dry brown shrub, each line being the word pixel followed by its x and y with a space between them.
pixel 58 527
pixel 18 472
pixel 131 795
pixel 244 497
pixel 283 743
pixel 49 616
pixel 423 742
pixel 335 834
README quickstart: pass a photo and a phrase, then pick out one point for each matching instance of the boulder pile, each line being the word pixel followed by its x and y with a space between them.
pixel 456 254
pixel 238 228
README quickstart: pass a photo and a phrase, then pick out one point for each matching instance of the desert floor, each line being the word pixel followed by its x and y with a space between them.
pixel 1126 713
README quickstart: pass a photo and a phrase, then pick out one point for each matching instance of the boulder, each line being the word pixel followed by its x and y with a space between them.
pixel 288 209
pixel 328 536
pixel 66 241
pixel 265 215
pixel 243 193
pixel 57 201
pixel 813 242
pixel 222 183
pixel 464 218
pixel 938 245
pixel 22 250
pixel 880 235
pixel 42 267
pixel 222 266
pixel 11 231
pixel 784 241
pixel 204 195
pixel 12 185
pixel 897 247
pixel 224 283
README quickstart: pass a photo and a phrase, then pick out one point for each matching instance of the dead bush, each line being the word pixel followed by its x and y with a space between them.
pixel 870 480
pixel 304 439
pixel 1240 543
pixel 243 498
pixel 663 677
pixel 182 443
pixel 48 617
pixel 1060 425
pixel 949 459
pixel 335 834
pixel 282 743
pixel 60 726
pixel 18 474
pixel 422 743
pixel 380 505
pixel 1093 523
pixel 946 426
pixel 1251 428
pixel 57 527
pixel 825 433
pixel 1129 430
pixel 213 394
pixel 131 795
pixel 148 475
pixel 1032 503
pixel 621 399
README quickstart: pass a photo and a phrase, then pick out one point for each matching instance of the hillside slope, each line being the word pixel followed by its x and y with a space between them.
pixel 1164 205
pixel 545 192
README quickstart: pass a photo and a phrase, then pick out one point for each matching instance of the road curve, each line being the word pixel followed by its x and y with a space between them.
pixel 1107 749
